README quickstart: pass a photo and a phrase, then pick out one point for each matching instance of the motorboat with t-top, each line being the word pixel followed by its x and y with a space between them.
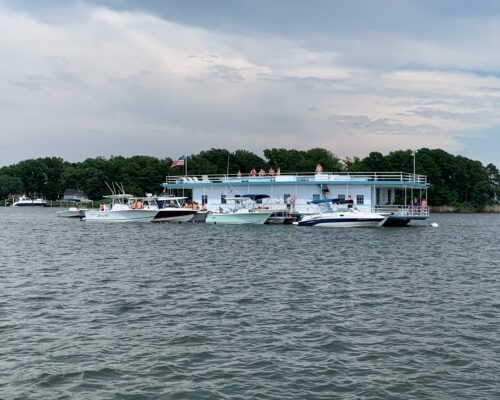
pixel 120 209
pixel 243 212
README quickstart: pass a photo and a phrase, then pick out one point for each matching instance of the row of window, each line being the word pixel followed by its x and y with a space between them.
pixel 360 199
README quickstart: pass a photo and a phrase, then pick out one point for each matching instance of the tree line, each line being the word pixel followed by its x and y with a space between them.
pixel 455 180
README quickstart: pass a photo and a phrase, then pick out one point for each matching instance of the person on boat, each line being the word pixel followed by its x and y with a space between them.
pixel 238 174
pixel 262 172
pixel 278 171
pixel 253 172
pixel 350 202
pixel 139 205
pixel 101 206
pixel 271 171
pixel 423 209
pixel 319 168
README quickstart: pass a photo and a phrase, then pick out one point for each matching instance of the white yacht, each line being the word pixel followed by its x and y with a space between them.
pixel 25 201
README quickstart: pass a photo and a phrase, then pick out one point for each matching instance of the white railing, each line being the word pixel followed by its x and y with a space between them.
pixel 403 211
pixel 301 177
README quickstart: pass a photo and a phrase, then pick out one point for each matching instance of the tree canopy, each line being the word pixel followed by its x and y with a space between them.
pixel 455 180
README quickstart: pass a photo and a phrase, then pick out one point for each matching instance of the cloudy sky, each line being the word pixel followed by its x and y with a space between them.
pixel 163 78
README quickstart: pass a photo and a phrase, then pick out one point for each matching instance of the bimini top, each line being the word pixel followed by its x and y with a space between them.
pixel 256 197
pixel 333 201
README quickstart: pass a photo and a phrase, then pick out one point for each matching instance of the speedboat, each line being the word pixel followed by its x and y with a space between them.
pixel 243 212
pixel 342 217
pixel 25 201
pixel 281 217
pixel 120 210
pixel 173 209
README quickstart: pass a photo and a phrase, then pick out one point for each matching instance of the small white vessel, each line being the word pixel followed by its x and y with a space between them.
pixel 25 201
pixel 243 212
pixel 72 212
pixel 340 216
pixel 120 210
pixel 173 209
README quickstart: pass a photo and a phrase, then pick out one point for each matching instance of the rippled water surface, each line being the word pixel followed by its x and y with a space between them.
pixel 155 311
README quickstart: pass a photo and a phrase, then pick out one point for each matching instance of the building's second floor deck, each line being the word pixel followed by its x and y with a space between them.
pixel 403 179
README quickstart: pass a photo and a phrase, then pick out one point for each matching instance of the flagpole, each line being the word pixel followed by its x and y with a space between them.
pixel 186 165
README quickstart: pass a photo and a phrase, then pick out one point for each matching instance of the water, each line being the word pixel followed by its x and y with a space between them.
pixel 136 311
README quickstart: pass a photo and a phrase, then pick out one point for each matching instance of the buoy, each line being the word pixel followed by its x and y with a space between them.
pixel 435 225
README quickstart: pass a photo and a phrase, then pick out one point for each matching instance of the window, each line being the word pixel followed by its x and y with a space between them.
pixel 389 196
pixel 377 196
pixel 204 199
pixel 223 199
pixel 341 197
pixel 285 198
pixel 360 199
pixel 315 196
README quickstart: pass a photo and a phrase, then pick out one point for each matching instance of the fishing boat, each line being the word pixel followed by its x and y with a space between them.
pixel 120 210
pixel 334 214
pixel 243 212
pixel 25 201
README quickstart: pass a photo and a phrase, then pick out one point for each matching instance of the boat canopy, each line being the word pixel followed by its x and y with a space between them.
pixel 256 197
pixel 333 201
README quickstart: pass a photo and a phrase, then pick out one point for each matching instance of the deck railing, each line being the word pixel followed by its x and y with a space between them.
pixel 300 177
pixel 403 210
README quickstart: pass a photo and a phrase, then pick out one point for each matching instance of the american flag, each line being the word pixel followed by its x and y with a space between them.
pixel 179 162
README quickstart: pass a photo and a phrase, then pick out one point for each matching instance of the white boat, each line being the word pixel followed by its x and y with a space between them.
pixel 120 210
pixel 72 212
pixel 341 216
pixel 173 209
pixel 243 212
pixel 25 201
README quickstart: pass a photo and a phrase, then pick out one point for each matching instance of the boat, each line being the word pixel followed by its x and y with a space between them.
pixel 334 214
pixel 120 210
pixel 174 209
pixel 72 212
pixel 282 217
pixel 371 192
pixel 25 201
pixel 243 212
pixel 278 216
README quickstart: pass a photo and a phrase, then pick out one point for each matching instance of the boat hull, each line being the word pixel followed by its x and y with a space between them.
pixel 342 220
pixel 121 215
pixel 174 215
pixel 258 218
pixel 30 204
pixel 71 213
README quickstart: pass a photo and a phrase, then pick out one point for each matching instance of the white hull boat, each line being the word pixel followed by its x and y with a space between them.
pixel 121 209
pixel 120 215
pixel 343 219
pixel 25 201
pixel 72 212
pixel 257 218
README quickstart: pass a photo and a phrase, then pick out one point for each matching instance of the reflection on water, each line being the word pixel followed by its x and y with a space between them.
pixel 95 310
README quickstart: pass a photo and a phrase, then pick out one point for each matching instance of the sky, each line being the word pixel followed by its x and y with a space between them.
pixel 164 78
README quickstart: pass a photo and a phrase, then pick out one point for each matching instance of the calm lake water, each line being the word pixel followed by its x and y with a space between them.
pixel 155 311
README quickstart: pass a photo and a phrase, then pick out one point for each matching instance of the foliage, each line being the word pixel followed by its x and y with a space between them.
pixel 455 180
